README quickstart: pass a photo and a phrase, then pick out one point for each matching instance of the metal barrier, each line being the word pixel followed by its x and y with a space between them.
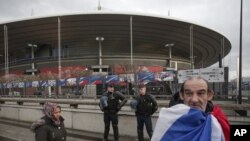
pixel 86 110
pixel 89 100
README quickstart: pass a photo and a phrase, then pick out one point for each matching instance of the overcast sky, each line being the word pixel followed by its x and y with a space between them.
pixel 222 16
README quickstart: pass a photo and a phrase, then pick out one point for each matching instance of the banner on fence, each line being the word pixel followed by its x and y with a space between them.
pixel 83 81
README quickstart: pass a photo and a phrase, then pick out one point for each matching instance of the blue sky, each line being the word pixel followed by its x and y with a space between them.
pixel 222 16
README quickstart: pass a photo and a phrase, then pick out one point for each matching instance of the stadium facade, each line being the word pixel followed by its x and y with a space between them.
pixel 107 42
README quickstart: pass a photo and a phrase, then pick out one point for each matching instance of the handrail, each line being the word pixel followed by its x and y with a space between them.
pixel 73 96
pixel 233 98
pixel 94 101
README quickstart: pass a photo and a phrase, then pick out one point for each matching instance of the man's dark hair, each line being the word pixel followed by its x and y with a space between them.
pixel 191 78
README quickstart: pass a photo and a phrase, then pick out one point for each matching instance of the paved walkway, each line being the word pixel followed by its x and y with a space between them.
pixel 6 139
pixel 19 131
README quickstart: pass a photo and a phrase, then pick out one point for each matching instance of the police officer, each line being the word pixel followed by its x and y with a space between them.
pixel 110 103
pixel 144 105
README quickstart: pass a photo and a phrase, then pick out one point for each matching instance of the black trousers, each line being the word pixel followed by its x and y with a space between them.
pixel 141 120
pixel 113 118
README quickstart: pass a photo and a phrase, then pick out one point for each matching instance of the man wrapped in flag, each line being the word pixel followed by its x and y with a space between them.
pixel 191 121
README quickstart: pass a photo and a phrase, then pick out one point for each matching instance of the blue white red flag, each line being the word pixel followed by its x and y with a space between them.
pixel 182 123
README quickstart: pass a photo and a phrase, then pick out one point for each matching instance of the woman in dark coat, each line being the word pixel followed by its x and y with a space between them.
pixel 50 127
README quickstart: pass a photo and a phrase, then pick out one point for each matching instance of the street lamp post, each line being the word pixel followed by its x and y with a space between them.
pixel 170 58
pixel 6 50
pixel 100 40
pixel 170 52
pixel 32 46
pixel 192 61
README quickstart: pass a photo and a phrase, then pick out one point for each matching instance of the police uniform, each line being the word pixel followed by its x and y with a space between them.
pixel 115 101
pixel 144 105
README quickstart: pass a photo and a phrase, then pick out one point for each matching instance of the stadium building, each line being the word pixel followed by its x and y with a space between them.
pixel 108 43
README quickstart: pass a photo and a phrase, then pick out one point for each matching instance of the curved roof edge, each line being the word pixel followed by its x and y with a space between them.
pixel 111 12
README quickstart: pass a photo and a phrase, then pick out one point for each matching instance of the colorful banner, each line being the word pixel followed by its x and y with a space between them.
pixel 43 83
pixel 28 84
pixel 61 82
pixel 4 85
pixel 146 77
pixel 153 69
pixel 127 77
pixel 35 83
pixel 21 85
pixel 165 76
pixel 9 85
pixel 83 81
pixel 112 79
pixel 95 80
pixel 51 82
pixel 15 84
pixel 71 82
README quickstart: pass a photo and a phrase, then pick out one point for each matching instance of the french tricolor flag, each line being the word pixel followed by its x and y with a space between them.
pixel 182 123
